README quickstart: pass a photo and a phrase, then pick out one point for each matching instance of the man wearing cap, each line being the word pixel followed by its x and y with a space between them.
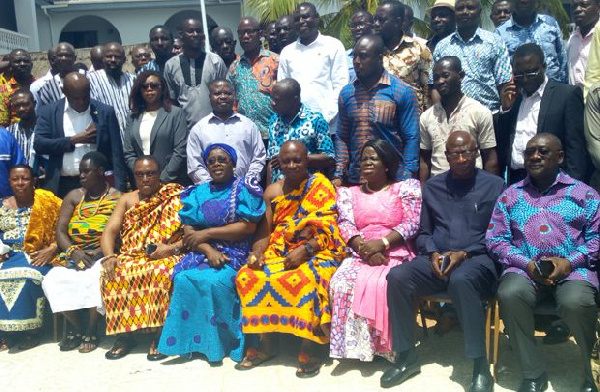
pixel 442 22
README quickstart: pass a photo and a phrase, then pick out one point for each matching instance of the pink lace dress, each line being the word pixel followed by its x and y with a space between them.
pixel 360 325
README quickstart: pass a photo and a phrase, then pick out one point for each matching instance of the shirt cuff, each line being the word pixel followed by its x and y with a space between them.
pixel 518 261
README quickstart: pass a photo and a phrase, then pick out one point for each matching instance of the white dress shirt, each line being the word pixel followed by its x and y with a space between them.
pixel 526 128
pixel 75 122
pixel 148 119
pixel 321 68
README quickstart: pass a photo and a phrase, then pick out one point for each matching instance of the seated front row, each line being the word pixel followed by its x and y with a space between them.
pixel 543 231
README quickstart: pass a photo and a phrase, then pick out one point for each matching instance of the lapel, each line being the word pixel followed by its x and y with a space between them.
pixel 94 114
pixel 513 120
pixel 160 118
pixel 60 118
pixel 545 105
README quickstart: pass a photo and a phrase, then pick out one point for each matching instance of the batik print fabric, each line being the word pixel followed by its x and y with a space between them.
pixel 561 222
pixel 360 326
pixel 253 83
pixel 26 230
pixel 85 230
pixel 205 315
pixel 411 62
pixel 138 298
pixel 295 301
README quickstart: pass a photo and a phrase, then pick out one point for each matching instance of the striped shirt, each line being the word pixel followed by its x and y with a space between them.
pixel 104 89
pixel 25 139
pixel 389 111
pixel 50 92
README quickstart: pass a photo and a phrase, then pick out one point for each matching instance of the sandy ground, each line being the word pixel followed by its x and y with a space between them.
pixel 444 368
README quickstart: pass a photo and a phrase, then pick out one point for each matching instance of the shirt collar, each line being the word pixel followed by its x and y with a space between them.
pixel 406 40
pixel 589 34
pixel 263 53
pixel 302 113
pixel 512 22
pixel 457 36
pixel 385 79
pixel 214 117
pixel 312 43
pixel 69 109
pixel 539 92
pixel 561 178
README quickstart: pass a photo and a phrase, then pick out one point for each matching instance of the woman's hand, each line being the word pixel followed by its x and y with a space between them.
pixel 256 261
pixel 162 251
pixel 295 258
pixel 192 238
pixel 108 265
pixel 377 259
pixel 80 256
pixel 369 248
pixel 216 259
pixel 43 256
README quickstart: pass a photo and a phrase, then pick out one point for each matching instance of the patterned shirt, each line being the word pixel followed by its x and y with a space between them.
pixel 307 126
pixel 389 111
pixel 103 88
pixel 561 222
pixel 50 92
pixel 7 87
pixel 25 139
pixel 152 65
pixel 410 61
pixel 253 83
pixel 485 62
pixel 544 32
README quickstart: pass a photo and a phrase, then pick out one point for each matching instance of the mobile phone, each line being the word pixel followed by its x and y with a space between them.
pixel 445 263
pixel 545 267
pixel 150 248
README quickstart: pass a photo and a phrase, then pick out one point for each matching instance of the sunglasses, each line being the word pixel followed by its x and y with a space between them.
pixel 527 75
pixel 221 160
pixel 151 86
pixel 542 152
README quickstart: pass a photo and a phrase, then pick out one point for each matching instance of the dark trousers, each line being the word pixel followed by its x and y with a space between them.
pixel 67 184
pixel 576 305
pixel 471 281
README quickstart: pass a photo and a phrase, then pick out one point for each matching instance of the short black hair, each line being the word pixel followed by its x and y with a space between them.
pixel 397 8
pixel 24 91
pixel 311 6
pixel 291 84
pixel 387 153
pixel 454 62
pixel 97 159
pixel 163 27
pixel 221 80
pixel 22 166
pixel 529 49
pixel 146 158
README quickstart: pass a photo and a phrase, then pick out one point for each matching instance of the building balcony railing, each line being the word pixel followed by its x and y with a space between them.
pixel 10 40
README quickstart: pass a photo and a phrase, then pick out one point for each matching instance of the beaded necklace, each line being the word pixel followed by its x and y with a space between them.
pixel 101 198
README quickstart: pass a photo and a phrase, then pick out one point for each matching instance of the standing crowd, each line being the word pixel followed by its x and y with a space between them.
pixel 465 164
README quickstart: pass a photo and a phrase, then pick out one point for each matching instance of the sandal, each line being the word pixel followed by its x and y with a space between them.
pixel 122 347
pixel 29 342
pixel 253 358
pixel 88 344
pixel 155 357
pixel 71 342
pixel 4 344
pixel 306 368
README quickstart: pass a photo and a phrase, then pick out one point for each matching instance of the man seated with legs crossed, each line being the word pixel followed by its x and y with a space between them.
pixel 455 212
pixel 544 231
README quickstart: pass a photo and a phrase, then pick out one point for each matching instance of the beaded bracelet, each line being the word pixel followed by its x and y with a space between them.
pixel 71 249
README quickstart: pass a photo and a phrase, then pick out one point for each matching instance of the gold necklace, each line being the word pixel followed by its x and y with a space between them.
pixel 79 212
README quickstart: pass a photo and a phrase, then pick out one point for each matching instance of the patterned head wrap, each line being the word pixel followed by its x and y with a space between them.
pixel 222 146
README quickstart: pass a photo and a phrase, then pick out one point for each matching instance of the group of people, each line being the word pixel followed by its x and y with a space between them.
pixel 385 170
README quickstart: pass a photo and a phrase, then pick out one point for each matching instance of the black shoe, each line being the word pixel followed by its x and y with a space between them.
pixel 557 334
pixel 399 373
pixel 536 385
pixel 482 383
pixel 589 386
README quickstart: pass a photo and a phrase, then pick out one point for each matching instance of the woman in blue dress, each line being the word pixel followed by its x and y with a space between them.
pixel 220 217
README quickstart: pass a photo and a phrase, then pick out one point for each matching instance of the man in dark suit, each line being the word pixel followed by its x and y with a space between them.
pixel 533 104
pixel 73 126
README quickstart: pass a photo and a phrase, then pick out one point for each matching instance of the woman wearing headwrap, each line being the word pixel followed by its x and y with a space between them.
pixel 219 219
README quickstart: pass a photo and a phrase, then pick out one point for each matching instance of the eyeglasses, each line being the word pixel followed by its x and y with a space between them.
pixel 465 154
pixel 360 25
pixel 527 75
pixel 248 31
pixel 151 86
pixel 221 160
pixel 148 174
pixel 543 152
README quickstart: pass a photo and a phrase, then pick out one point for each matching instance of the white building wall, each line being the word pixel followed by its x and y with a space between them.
pixel 132 24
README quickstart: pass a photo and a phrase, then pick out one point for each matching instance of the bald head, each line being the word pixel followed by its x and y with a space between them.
pixel 294 145
pixel 96 57
pixel 65 58
pixel 76 88
pixel 460 138
pixel 223 44
pixel 549 139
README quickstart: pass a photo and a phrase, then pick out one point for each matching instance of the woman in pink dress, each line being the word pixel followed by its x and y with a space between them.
pixel 378 220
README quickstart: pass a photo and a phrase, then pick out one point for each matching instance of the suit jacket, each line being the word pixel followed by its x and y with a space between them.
pixel 561 113
pixel 50 140
pixel 168 141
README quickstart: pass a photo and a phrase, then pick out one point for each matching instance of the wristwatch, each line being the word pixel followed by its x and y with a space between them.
pixel 309 248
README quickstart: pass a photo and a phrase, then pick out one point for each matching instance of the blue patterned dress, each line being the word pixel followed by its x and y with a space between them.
pixel 204 315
